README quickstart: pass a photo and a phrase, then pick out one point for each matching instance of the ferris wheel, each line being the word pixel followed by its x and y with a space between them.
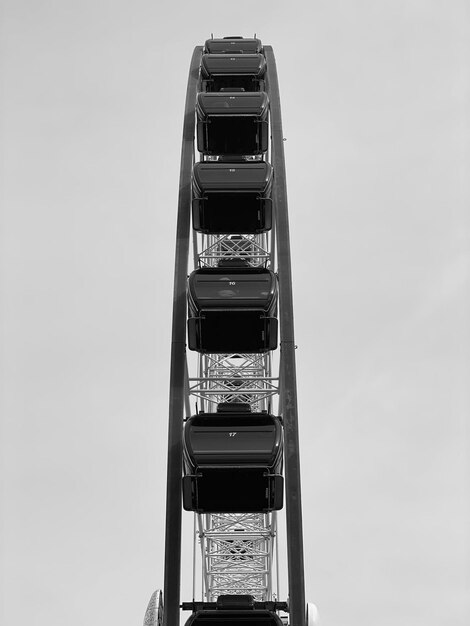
pixel 233 441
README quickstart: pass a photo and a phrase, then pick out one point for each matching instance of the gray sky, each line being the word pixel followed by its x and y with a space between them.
pixel 376 115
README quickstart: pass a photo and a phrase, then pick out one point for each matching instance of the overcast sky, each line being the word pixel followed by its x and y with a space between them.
pixel 375 99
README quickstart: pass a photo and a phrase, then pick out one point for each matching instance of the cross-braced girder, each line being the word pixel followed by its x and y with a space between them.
pixel 237 549
pixel 234 378
pixel 237 554
pixel 252 249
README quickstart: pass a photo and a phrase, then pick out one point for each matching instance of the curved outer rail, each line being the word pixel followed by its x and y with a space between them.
pixel 171 612
pixel 288 397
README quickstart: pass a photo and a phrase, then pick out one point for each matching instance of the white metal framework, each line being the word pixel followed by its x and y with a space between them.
pixel 255 250
pixel 237 549
pixel 243 378
pixel 238 554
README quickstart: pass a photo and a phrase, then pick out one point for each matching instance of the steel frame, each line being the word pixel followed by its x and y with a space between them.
pixel 238 551
pixel 243 378
pixel 234 378
pixel 254 249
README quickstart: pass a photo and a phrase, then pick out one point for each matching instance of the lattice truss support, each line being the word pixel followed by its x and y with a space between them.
pixel 254 249
pixel 234 378
pixel 237 554
pixel 238 550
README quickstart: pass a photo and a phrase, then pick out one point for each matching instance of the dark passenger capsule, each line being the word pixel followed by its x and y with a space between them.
pixel 227 72
pixel 244 617
pixel 232 310
pixel 233 45
pixel 232 197
pixel 233 463
pixel 234 124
